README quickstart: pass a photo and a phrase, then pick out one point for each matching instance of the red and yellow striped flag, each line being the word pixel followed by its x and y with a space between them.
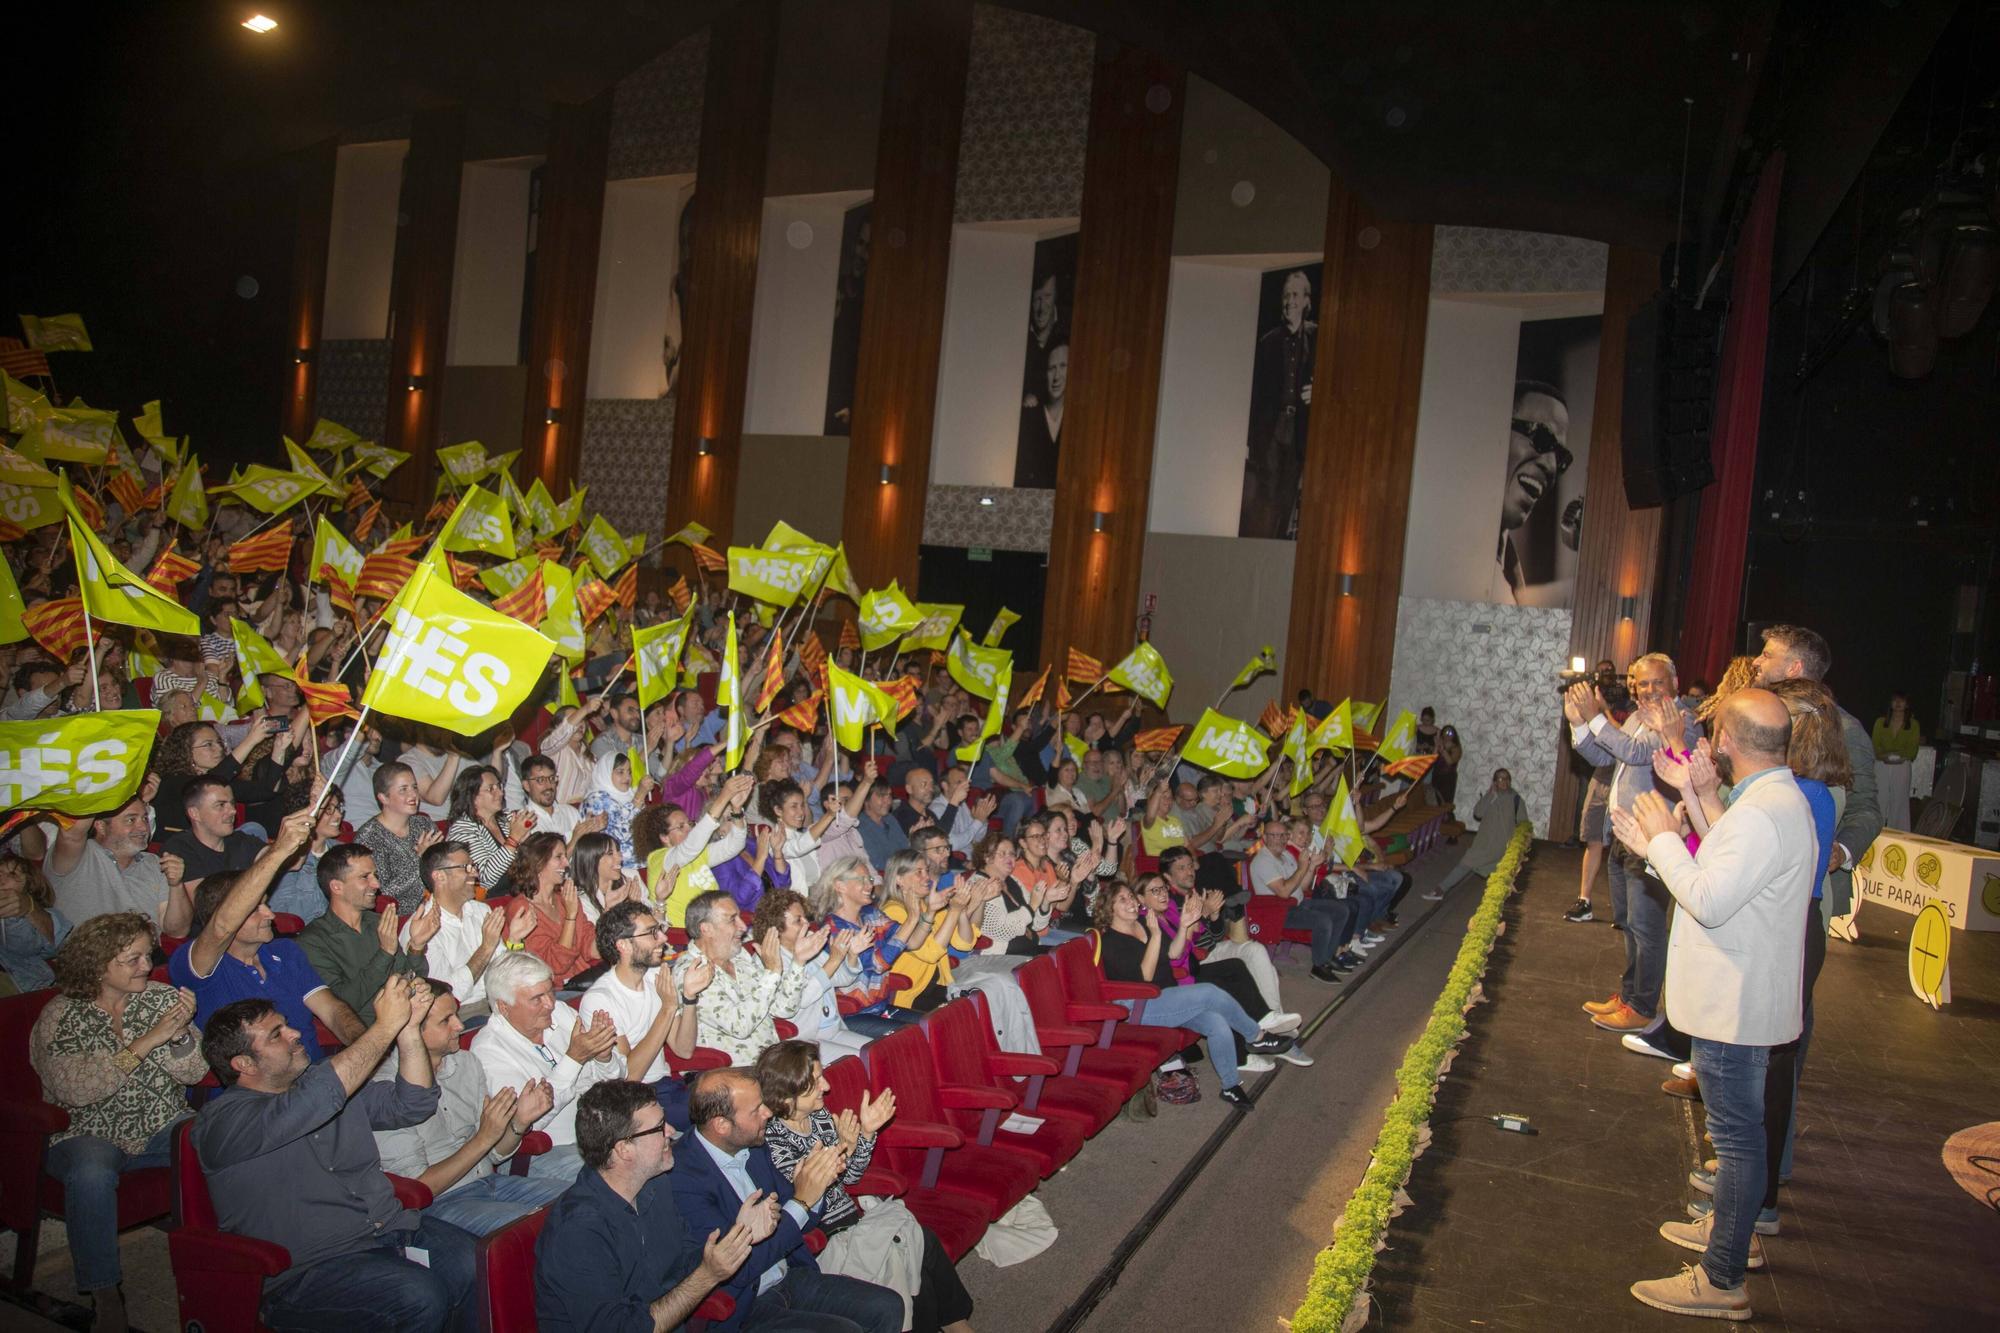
pixel 383 575
pixel 366 523
pixel 171 570
pixel 527 603
pixel 155 495
pixel 1034 692
pixel 441 510
pixel 324 703
pixel 679 594
pixel 407 546
pixel 803 716
pixel 11 531
pixel 338 590
pixel 593 598
pixel 774 673
pixel 1157 741
pixel 1062 694
pixel 1412 768
pixel 357 495
pixel 903 690
pixel 812 653
pixel 1083 668
pixel 850 637
pixel 57 626
pixel 87 505
pixel 270 550
pixel 627 588
pixel 464 577
pixel 708 561
pixel 126 492
pixel 1276 720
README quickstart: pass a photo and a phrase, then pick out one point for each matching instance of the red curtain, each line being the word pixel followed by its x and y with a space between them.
pixel 1715 585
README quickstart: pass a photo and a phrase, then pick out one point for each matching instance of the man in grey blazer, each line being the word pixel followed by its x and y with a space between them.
pixel 1794 650
pixel 1735 963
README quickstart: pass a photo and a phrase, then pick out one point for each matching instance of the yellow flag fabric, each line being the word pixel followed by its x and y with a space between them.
pixel 1400 741
pixel 330 437
pixel 541 506
pixel 885 615
pixel 1366 714
pixel 1003 620
pixel 24 405
pixel 996 717
pixel 935 628
pixel 565 692
pixel 735 728
pixel 770 576
pixel 451 660
pixel 977 668
pixel 840 579
pixel 71 434
pixel 114 593
pixel 657 649
pixel 480 523
pixel 330 548
pixel 570 512
pixel 56 333
pixel 254 658
pixel 1144 672
pixel 1298 749
pixel 1257 666
pixel 304 466
pixel 503 579
pixel 29 507
pixel 463 463
pixel 784 537
pixel 87 764
pixel 564 622
pixel 187 502
pixel 694 534
pixel 1077 746
pixel 1342 826
pixel 500 466
pixel 270 491
pixel 1226 746
pixel 605 546
pixel 12 607
pixel 20 470
pixel 1336 729
pixel 857 704
pixel 379 459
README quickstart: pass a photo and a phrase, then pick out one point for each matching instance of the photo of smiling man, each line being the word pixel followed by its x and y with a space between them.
pixel 1541 498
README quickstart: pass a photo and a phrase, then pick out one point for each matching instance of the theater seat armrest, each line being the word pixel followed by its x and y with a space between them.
pixel 1019 1064
pixel 1128 990
pixel 815 1241
pixel 1094 1011
pixel 226 1252
pixel 410 1193
pixel 1058 1035
pixel 704 1057
pixel 879 1182
pixel 895 982
pixel 901 1133
pixel 716 1307
pixel 533 1144
pixel 787 1029
pixel 26 1117
pixel 965 1097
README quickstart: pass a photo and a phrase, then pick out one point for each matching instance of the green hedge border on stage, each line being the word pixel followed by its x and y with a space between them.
pixel 1341 1270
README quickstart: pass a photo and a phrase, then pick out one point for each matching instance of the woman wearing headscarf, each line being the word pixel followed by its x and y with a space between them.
pixel 614 795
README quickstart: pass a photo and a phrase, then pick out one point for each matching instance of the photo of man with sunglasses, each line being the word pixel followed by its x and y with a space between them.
pixel 1537 455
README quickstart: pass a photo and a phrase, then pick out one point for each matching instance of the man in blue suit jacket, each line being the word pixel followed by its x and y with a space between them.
pixel 727 1167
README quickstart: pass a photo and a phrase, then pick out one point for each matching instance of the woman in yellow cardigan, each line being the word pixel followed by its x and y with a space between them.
pixel 909 889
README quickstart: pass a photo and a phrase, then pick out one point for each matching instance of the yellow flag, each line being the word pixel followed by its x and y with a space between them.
pixel 330 437
pixel 255 657
pixel 270 491
pixel 1400 741
pixel 857 704
pixel 694 534
pixel 605 546
pixel 114 593
pixel 784 537
pixel 1257 666
pixel 56 333
pixel 886 614
pixel 777 577
pixel 565 692
pixel 564 622
pixel 977 668
pixel 501 466
pixel 996 716
pixel 451 660
pixel 570 512
pixel 29 507
pixel 1336 729
pixel 24 405
pixel 463 463
pixel 330 548
pixel 1226 746
pixel 1144 672
pixel 1298 749
pixel 729 695
pixel 1367 714
pixel 1003 620
pixel 12 608
pixel 379 459
pixel 541 507
pixel 1342 826
pixel 480 523
pixel 20 470
pixel 934 630
pixel 840 579
pixel 657 649
pixel 503 579
pixel 72 434
pixel 187 502
pixel 304 466
pixel 83 765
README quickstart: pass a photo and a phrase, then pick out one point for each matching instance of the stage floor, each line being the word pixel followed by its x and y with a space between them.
pixel 1509 1231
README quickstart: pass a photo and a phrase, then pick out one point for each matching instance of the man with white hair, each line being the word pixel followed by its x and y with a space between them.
pixel 534 1036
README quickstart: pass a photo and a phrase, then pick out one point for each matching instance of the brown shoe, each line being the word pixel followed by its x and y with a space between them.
pixel 1690 1292
pixel 1682 1087
pixel 1604 1006
pixel 1625 1019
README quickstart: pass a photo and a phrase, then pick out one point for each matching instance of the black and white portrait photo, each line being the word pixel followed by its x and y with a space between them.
pixel 1045 376
pixel 1280 399
pixel 851 286
pixel 677 295
pixel 1548 438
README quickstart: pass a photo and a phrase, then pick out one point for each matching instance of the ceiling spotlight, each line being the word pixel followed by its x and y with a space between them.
pixel 259 24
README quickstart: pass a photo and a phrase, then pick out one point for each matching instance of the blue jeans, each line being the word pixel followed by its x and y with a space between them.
pixel 1208 1010
pixel 1055 935
pixel 481 1207
pixel 1015 806
pixel 882 1024
pixel 561 1162
pixel 1370 898
pixel 1616 878
pixel 89 1169
pixel 1646 904
pixel 378 1288
pixel 1732 1093
pixel 810 1300
pixel 1327 919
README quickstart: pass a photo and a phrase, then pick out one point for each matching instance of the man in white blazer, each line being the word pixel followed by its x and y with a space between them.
pixel 1735 972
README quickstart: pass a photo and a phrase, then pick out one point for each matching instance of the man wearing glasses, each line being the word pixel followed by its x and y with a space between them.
pixel 650 1012
pixel 469 933
pixel 1537 453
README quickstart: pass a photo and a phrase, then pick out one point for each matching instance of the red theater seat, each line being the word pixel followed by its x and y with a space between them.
pixel 958 1222
pixel 976 1085
pixel 1080 1033
pixel 924 1146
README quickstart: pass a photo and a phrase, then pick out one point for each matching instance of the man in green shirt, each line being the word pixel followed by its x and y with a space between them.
pixel 354 948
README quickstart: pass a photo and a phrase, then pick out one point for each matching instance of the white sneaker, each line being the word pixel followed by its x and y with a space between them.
pixel 1255 1064
pixel 1683 1069
pixel 1278 1021
pixel 1372 937
pixel 1639 1045
pixel 1296 1055
pixel 1432 897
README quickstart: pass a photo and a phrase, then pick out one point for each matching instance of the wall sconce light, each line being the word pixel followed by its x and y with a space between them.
pixel 1098 518
pixel 985 502
pixel 302 356
pixel 887 475
pixel 1628 608
pixel 551 416
pixel 1347 585
pixel 704 445
pixel 414 383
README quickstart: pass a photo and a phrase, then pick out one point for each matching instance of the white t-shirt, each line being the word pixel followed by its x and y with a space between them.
pixel 1266 867
pixel 96 886
pixel 632 1012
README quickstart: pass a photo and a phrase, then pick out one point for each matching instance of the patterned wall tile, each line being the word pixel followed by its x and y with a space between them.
pixel 1019 519
pixel 656 113
pixel 1482 259
pixel 1490 671
pixel 1027 114
pixel 354 384
pixel 626 443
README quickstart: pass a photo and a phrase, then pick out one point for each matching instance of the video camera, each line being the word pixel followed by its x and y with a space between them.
pixel 1607 681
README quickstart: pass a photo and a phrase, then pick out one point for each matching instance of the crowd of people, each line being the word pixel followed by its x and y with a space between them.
pixel 1727 823
pixel 383 946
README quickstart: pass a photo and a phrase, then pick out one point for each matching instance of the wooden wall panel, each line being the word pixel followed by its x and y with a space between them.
pixel 1117 336
pixel 902 319
pixel 1360 444
pixel 313 176
pixel 420 297
pixel 1619 554
pixel 722 279
pixel 570 224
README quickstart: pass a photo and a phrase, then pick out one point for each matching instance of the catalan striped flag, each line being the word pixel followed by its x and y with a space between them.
pixel 627 588
pixel 1083 668
pixel 1062 695
pixel 774 673
pixel 269 550
pixel 527 603
pixel 812 653
pixel 440 511
pixel 464 577
pixel 707 559
pixel 324 703
pixel 593 598
pixel 404 546
pixel 803 716
pixel 1412 768
pixel 357 495
pixel 383 575
pixel 126 492
pixel 338 590
pixel 171 570
pixel 11 531
pixel 1157 741
pixel 850 637
pixel 155 496
pixel 57 626
pixel 903 690
pixel 1032 695
pixel 22 361
pixel 366 523
pixel 88 505
pixel 1276 720
pixel 679 594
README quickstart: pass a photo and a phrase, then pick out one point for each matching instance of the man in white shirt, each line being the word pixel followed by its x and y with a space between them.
pixel 1735 971
pixel 538 786
pixel 468 931
pixel 635 991
pixel 1276 871
pixel 532 1035
pixel 456 1151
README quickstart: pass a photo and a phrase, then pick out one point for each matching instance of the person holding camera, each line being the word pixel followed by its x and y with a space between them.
pixel 1658 722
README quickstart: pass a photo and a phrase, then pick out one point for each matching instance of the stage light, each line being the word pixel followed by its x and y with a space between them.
pixel 260 25
pixel 551 416
pixel 1347 585
pixel 703 445
pixel 985 502
pixel 1098 518
pixel 887 475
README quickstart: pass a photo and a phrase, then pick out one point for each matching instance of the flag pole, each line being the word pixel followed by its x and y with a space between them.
pixel 90 641
pixel 1078 702
pixel 360 723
